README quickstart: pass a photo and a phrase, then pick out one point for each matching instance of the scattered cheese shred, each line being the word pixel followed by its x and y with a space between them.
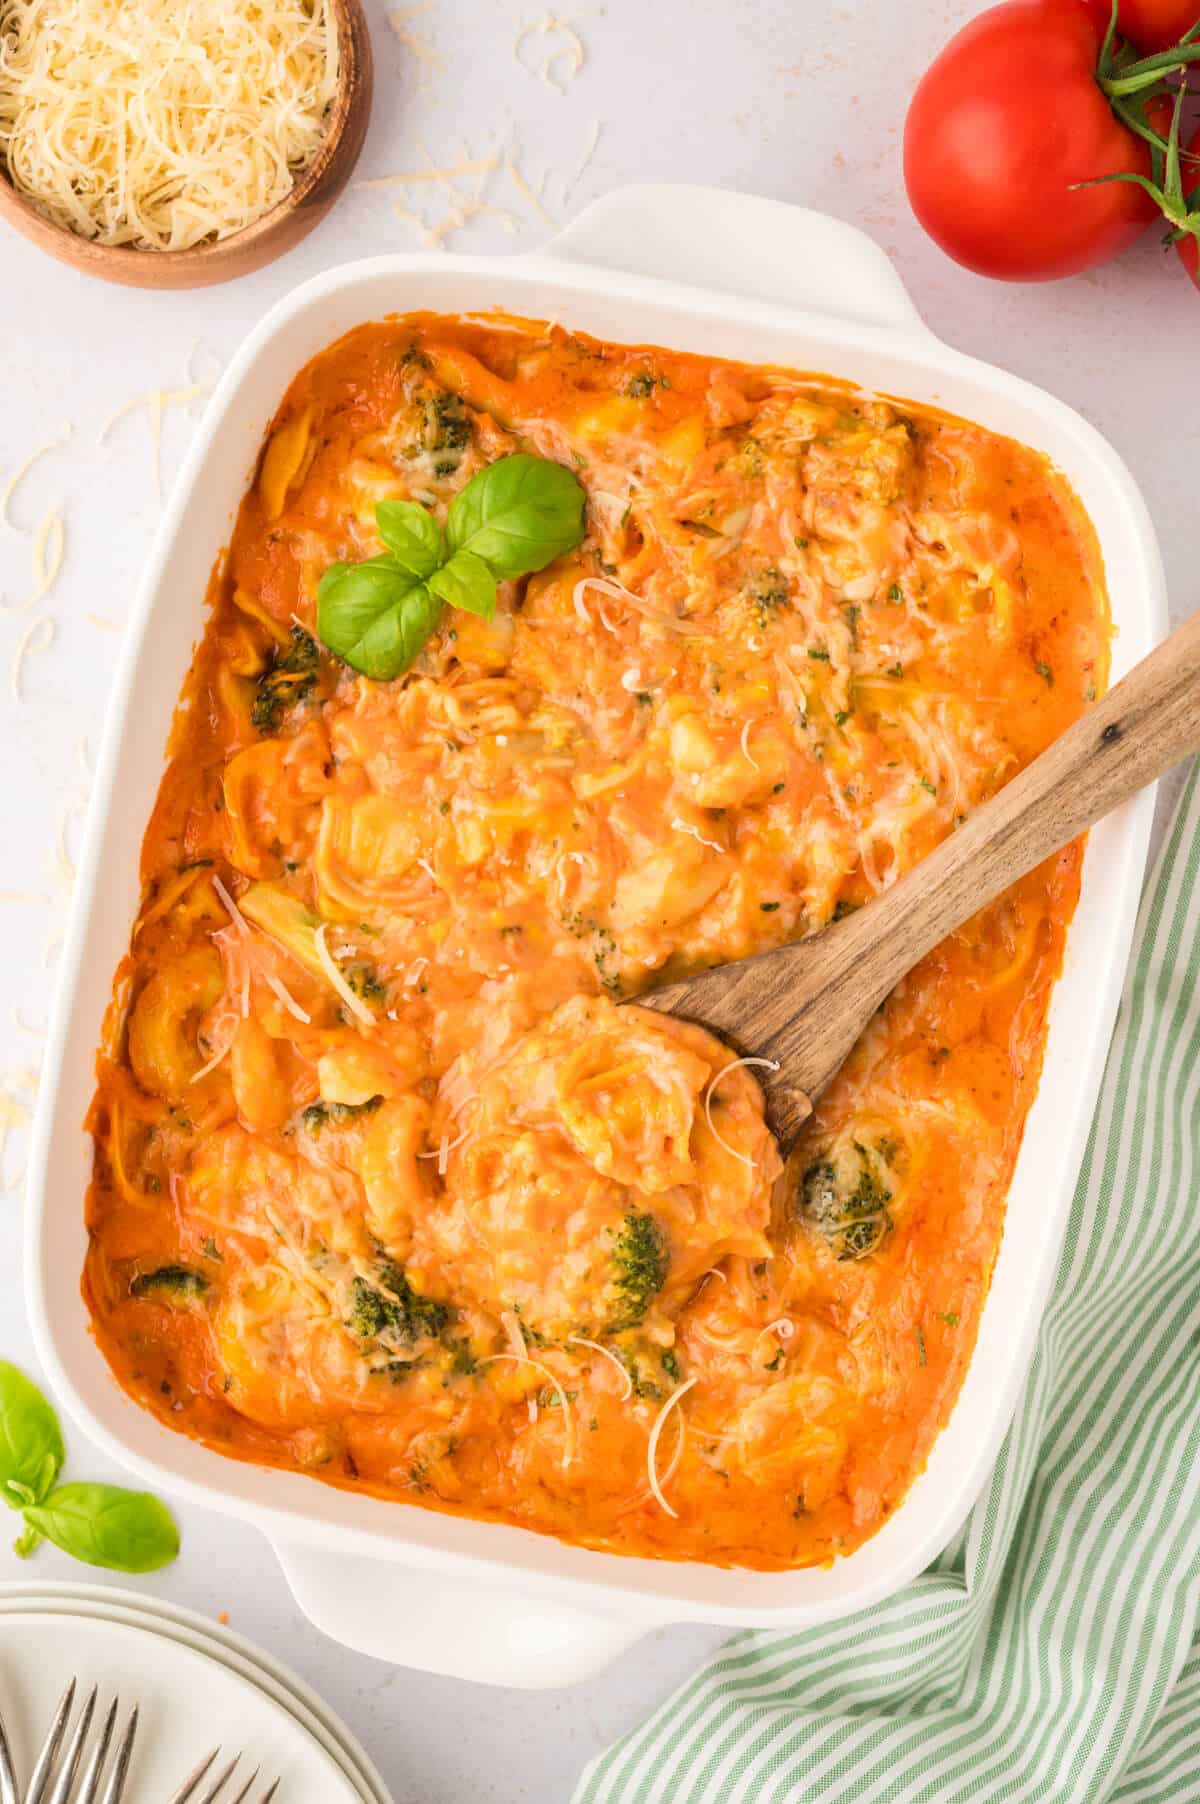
pixel 16 1112
pixel 223 1052
pixel 463 205
pixel 36 638
pixel 354 1003
pixel 277 988
pixel 408 178
pixel 581 1340
pixel 23 469
pixel 581 168
pixel 771 1065
pixel 420 47
pixel 618 592
pixel 516 1340
pixel 523 1359
pixel 159 125
pixel 747 754
pixel 695 833
pixel 156 402
pixel 676 1397
pixel 569 50
pixel 534 200
pixel 48 546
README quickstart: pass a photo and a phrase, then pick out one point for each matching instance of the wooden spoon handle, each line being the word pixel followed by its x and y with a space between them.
pixel 1143 726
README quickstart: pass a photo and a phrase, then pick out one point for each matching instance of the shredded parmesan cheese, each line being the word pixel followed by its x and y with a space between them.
pixel 48 546
pixel 277 988
pixel 37 637
pixel 747 754
pixel 158 125
pixel 619 592
pixel 155 401
pixel 677 1396
pixel 516 1340
pixel 581 168
pixel 15 1115
pixel 695 833
pixel 570 51
pixel 420 47
pixel 354 1003
pixel 581 1340
pixel 22 469
pixel 513 172
pixel 771 1065
pixel 523 1359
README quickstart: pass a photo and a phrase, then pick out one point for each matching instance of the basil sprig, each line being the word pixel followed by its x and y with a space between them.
pixel 511 519
pixel 104 1525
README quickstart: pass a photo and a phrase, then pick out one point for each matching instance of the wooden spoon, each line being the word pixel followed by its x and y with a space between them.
pixel 806 1004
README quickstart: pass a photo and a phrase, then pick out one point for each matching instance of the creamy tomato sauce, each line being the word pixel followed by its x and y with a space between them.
pixel 390 1184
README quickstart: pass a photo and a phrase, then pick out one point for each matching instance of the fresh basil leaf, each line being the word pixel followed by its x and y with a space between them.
pixel 375 616
pixel 518 515
pixel 412 536
pixel 31 1443
pixel 466 582
pixel 105 1525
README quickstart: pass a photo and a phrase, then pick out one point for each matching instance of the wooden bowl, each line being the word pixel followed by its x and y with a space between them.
pixel 290 220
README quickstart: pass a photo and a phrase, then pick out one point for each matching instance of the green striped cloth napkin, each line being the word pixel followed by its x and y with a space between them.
pixel 1053 1652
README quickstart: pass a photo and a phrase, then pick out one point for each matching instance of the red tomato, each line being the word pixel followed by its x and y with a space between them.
pixel 1006 119
pixel 1149 24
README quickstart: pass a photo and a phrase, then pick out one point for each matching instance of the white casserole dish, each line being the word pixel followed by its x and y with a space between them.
pixel 695 269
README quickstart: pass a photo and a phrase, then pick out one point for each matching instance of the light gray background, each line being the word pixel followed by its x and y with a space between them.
pixel 791 98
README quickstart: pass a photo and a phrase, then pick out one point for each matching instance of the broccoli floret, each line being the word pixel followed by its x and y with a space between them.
pixel 447 432
pixel 332 1114
pixel 768 591
pixel 640 1262
pixel 366 982
pixel 847 1200
pixel 178 1281
pixel 292 676
pixel 393 1312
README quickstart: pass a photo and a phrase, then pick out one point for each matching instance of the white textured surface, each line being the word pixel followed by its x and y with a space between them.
pixel 802 101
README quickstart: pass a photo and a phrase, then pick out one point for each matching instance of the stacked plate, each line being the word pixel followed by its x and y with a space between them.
pixel 196 1683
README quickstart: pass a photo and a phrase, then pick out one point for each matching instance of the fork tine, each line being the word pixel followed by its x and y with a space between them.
pixel 268 1795
pixel 49 1753
pixel 114 1791
pixel 8 1779
pixel 89 1785
pixel 73 1752
pixel 218 1786
pixel 193 1779
pixel 245 1791
pixel 74 1748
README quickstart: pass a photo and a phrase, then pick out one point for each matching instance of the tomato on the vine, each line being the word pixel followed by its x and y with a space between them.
pixel 1188 245
pixel 1004 126
pixel 1150 24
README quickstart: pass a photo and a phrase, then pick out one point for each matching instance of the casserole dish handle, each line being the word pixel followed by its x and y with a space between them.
pixel 462 1628
pixel 745 245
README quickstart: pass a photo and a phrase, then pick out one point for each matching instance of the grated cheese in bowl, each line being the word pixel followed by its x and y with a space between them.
pixel 160 124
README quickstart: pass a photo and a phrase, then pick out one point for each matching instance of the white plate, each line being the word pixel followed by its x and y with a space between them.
pixel 188 1701
pixel 242 1656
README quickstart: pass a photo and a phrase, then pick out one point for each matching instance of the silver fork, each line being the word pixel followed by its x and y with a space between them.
pixel 53 1779
pixel 187 1792
pixel 8 1779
